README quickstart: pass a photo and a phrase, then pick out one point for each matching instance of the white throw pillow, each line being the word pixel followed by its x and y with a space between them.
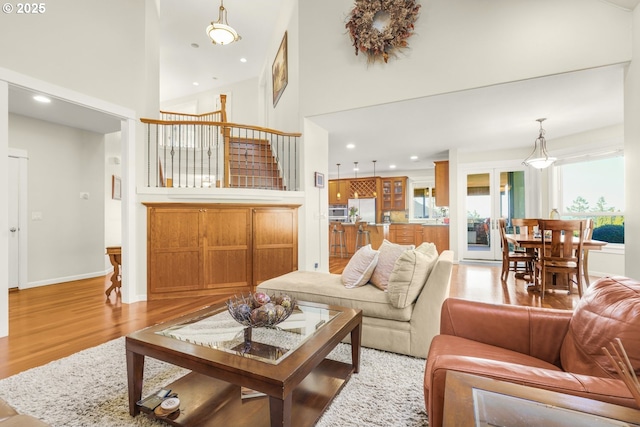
pixel 360 267
pixel 389 253
pixel 410 274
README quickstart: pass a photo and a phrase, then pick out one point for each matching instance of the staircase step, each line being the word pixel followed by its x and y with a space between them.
pixel 266 172
pixel 256 182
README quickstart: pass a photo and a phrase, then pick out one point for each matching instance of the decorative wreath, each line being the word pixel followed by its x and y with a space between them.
pixel 378 44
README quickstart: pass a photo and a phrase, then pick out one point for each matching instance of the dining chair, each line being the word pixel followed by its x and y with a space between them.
pixel 556 257
pixel 515 261
pixel 588 235
pixel 524 225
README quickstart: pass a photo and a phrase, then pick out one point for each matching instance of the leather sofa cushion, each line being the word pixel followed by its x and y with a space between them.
pixel 609 309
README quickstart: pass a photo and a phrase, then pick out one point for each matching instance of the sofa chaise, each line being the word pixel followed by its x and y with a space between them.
pixel 403 319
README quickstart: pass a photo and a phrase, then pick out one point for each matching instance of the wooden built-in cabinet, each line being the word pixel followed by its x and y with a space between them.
pixel 442 183
pixel 335 188
pixel 415 234
pixel 393 193
pixel 215 249
pixel 405 234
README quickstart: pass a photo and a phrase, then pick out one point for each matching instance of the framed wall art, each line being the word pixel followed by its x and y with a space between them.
pixel 319 178
pixel 279 71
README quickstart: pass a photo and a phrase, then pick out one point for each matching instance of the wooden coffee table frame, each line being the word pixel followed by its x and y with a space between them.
pixel 299 388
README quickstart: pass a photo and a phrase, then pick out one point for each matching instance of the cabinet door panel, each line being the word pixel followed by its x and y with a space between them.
pixel 227 268
pixel 227 248
pixel 275 243
pixel 176 271
pixel 174 252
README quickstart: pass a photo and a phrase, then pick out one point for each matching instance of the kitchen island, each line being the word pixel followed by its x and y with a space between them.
pixel 398 232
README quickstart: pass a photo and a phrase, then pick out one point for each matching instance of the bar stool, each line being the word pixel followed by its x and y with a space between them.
pixel 363 236
pixel 338 240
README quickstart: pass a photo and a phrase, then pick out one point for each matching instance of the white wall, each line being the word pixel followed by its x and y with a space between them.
pixel 112 208
pixel 94 47
pixel 242 102
pixel 632 156
pixel 67 243
pixel 4 213
pixel 456 45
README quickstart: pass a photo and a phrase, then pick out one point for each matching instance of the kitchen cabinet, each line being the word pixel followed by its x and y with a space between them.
pixel 436 234
pixel 365 188
pixel 415 234
pixel 217 249
pixel 338 187
pixel 393 196
pixel 442 183
pixel 405 234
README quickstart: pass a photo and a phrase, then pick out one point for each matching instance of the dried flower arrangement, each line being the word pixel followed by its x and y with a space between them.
pixel 377 44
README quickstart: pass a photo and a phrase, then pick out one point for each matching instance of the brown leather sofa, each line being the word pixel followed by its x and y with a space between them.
pixel 556 350
pixel 9 417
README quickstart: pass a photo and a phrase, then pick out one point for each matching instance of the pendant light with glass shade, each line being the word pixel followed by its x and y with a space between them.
pixel 539 157
pixel 375 193
pixel 219 31
pixel 338 193
pixel 355 168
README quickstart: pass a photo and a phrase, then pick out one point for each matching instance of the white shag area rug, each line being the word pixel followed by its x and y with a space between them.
pixel 89 388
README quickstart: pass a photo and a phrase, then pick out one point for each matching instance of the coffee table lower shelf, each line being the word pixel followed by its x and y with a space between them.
pixel 206 401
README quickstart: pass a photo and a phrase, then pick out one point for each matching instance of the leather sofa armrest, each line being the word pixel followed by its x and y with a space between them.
pixel 607 390
pixel 538 332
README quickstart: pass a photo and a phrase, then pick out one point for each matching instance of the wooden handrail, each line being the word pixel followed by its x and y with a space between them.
pixel 191 115
pixel 222 111
pixel 219 124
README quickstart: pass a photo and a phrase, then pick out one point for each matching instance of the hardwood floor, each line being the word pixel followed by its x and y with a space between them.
pixel 50 322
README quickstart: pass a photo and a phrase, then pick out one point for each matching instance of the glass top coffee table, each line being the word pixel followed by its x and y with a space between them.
pixel 287 364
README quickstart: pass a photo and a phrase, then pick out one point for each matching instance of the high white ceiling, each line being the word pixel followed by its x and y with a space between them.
pixel 183 24
pixel 500 116
pixel 495 117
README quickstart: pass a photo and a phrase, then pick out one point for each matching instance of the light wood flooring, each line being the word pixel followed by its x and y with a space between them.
pixel 50 322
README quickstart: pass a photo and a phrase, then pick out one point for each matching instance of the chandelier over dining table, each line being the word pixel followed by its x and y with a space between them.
pixel 539 157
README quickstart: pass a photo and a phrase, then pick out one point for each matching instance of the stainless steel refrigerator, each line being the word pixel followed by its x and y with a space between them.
pixel 366 209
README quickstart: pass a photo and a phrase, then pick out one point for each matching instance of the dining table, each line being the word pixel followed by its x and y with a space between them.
pixel 533 242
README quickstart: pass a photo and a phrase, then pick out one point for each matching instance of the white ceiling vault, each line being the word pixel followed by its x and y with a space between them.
pixel 501 116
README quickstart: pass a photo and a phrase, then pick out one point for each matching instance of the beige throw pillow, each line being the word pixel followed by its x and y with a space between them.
pixel 389 253
pixel 410 273
pixel 360 267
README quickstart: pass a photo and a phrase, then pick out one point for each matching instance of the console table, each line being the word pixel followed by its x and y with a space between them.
pixel 115 256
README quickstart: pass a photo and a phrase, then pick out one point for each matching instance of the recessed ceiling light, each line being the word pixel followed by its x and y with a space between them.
pixel 392 166
pixel 351 146
pixel 414 157
pixel 243 59
pixel 42 99
pixel 196 84
pixel 195 45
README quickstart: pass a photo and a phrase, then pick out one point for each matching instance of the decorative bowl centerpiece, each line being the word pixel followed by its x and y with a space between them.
pixel 260 310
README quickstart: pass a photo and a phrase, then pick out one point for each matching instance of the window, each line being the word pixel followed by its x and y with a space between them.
pixel 423 202
pixel 594 189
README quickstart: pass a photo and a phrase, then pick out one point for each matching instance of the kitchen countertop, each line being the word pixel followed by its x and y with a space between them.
pixel 400 223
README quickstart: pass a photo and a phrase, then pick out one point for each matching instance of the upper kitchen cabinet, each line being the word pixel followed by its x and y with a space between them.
pixel 362 188
pixel 337 194
pixel 394 193
pixel 442 183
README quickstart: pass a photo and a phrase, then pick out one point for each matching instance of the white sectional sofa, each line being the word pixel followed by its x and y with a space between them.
pixel 402 319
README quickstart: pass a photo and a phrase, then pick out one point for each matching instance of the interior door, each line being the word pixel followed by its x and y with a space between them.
pixel 14 222
pixel 491 194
